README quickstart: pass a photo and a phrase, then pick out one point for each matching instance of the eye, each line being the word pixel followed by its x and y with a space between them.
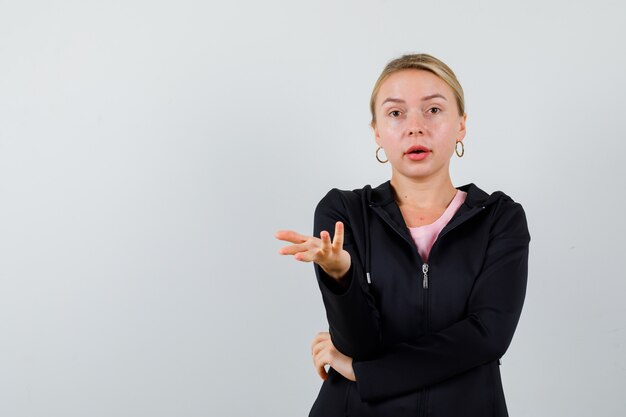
pixel 394 113
pixel 434 110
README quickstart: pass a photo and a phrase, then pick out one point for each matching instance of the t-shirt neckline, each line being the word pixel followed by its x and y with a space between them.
pixel 452 206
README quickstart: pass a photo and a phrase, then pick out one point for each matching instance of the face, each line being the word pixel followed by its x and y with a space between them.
pixel 417 123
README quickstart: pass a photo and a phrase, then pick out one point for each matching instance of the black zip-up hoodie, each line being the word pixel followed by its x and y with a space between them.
pixel 426 339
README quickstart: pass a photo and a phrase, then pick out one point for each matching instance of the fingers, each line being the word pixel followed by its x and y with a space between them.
pixel 338 238
pixel 337 241
pixel 320 337
pixel 326 244
pixel 295 237
pixel 304 248
pixel 307 256
pixel 320 350
pixel 293 249
pixel 290 236
pixel 321 371
pixel 324 251
pixel 319 362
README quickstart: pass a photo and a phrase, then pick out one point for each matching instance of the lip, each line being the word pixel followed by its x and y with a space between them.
pixel 417 156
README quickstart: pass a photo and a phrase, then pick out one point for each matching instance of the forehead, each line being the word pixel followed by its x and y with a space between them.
pixel 412 84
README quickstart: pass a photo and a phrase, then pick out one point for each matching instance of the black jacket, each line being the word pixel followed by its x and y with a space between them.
pixel 425 338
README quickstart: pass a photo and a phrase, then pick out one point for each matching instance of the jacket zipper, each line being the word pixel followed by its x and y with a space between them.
pixel 383 215
pixel 425 279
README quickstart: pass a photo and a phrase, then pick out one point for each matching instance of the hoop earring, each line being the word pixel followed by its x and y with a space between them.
pixel 456 150
pixel 378 158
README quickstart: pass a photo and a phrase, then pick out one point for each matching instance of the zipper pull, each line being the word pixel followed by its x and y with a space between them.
pixel 425 271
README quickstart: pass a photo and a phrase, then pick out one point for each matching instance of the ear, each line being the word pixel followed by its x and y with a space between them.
pixel 376 134
pixel 461 133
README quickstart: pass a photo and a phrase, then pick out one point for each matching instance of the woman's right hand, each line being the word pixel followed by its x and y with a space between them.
pixel 330 256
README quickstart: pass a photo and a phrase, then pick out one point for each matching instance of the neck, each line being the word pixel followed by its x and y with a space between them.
pixel 427 193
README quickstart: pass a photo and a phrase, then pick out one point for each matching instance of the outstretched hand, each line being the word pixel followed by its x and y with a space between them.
pixel 330 256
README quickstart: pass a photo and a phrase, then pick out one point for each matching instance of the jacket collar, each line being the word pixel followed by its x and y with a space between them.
pixel 476 197
pixel 382 201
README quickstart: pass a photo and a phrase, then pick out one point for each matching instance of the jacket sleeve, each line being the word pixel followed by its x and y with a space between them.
pixel 494 308
pixel 350 307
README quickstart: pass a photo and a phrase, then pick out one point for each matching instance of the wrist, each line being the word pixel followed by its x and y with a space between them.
pixel 338 275
pixel 343 364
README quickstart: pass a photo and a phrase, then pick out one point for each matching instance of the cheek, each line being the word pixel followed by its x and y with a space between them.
pixel 386 131
pixel 444 129
pixel 391 127
pixel 438 124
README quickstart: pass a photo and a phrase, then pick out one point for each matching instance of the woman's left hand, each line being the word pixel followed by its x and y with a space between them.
pixel 324 353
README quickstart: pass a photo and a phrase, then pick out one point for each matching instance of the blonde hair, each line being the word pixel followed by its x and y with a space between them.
pixel 420 62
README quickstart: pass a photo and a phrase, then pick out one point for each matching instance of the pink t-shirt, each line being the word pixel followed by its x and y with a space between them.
pixel 425 236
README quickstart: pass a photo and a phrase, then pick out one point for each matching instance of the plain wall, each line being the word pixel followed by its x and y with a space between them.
pixel 150 149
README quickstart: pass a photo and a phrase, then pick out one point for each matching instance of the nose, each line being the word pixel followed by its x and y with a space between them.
pixel 415 126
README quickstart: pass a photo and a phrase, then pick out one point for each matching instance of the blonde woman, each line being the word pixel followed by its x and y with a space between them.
pixel 423 282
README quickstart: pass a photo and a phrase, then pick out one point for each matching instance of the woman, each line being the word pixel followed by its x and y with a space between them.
pixel 423 283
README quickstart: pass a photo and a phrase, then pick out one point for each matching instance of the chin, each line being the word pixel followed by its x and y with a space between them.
pixel 421 172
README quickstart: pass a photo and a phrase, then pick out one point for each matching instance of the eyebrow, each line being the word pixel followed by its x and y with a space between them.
pixel 425 98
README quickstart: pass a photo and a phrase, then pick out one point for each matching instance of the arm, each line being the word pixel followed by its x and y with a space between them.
pixel 350 307
pixel 494 308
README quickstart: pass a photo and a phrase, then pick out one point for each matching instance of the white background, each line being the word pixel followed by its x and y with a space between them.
pixel 150 149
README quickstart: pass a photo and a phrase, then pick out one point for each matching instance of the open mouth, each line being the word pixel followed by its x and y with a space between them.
pixel 417 150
